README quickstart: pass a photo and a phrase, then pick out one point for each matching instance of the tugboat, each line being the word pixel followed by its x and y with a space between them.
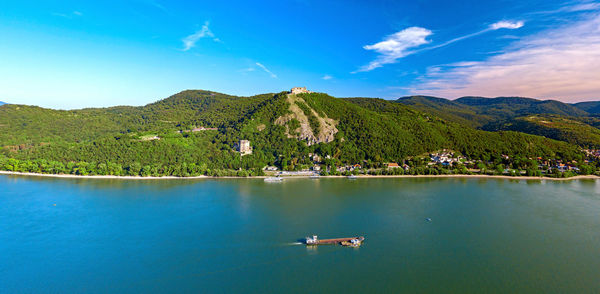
pixel 351 242
pixel 273 179
pixel 311 240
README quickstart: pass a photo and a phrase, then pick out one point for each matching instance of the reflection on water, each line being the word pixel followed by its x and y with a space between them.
pixel 103 183
pixel 243 235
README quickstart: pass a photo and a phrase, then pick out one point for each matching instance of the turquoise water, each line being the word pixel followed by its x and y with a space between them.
pixel 239 235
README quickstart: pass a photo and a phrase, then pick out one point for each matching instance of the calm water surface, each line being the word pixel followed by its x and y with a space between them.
pixel 239 235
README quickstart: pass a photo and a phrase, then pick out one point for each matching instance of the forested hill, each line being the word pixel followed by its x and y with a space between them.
pixel 516 106
pixel 448 109
pixel 558 127
pixel 591 107
pixel 573 123
pixel 479 111
pixel 196 132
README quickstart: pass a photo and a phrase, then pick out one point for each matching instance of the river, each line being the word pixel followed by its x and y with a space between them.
pixel 423 235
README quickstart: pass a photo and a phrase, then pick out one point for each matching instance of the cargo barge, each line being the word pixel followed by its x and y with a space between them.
pixel 351 241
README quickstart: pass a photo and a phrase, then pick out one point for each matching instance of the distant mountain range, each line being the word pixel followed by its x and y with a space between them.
pixel 574 123
pixel 1 103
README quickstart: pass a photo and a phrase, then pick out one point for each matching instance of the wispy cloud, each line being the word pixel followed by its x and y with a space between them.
pixel 403 43
pixel 155 4
pixel 396 46
pixel 68 15
pixel 247 70
pixel 266 70
pixel 254 67
pixel 512 25
pixel 579 6
pixel 327 77
pixel 583 7
pixel 158 5
pixel 190 41
pixel 562 63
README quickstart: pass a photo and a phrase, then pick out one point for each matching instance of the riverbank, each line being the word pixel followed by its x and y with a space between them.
pixel 298 177
pixel 96 176
pixel 486 177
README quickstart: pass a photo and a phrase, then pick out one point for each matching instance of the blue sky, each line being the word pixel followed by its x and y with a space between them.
pixel 74 54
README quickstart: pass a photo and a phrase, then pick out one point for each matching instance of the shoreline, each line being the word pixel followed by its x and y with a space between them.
pixel 67 176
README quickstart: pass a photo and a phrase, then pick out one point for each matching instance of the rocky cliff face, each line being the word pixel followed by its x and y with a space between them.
pixel 323 133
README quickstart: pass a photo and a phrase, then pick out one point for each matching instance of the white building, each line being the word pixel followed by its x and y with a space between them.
pixel 445 158
pixel 245 147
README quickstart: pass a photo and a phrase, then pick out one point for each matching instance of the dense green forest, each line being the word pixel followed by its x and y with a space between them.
pixel 160 138
pixel 591 107
pixel 573 123
pixel 557 127
pixel 449 110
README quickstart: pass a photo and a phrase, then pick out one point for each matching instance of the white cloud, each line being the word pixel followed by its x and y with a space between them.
pixel 561 63
pixel 190 41
pixel 396 46
pixel 327 77
pixel 266 70
pixel 506 25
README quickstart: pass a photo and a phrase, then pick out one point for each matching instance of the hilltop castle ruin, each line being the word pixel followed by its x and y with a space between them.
pixel 298 90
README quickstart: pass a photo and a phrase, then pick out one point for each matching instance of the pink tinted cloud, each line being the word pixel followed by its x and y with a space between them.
pixel 561 63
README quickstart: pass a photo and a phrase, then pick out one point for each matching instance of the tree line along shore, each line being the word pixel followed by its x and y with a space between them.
pixel 579 177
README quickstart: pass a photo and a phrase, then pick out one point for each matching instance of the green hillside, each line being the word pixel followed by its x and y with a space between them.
pixel 591 107
pixel 473 143
pixel 35 125
pixel 556 127
pixel 571 123
pixel 448 109
pixel 509 107
pixel 157 139
pixel 478 111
